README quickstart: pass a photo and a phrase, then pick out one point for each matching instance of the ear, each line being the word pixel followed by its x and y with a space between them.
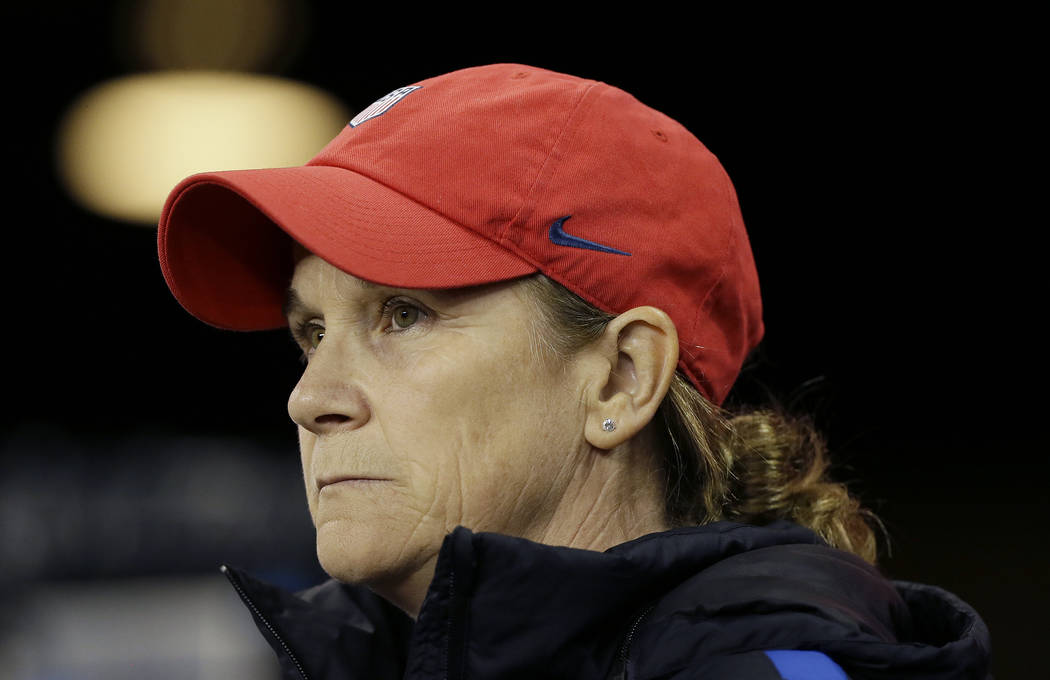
pixel 634 362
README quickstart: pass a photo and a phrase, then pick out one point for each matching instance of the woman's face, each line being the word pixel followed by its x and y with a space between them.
pixel 422 410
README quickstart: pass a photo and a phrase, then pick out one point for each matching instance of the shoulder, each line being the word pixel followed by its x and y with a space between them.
pixel 766 613
pixel 831 584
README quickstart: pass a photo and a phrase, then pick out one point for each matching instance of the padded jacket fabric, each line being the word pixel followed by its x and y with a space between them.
pixel 720 601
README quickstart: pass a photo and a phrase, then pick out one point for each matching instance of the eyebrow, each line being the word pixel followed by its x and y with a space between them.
pixel 293 303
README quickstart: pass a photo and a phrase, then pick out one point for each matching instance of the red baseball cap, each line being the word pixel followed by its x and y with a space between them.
pixel 482 175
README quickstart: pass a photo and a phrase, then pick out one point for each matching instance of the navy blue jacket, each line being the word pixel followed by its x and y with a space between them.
pixel 716 602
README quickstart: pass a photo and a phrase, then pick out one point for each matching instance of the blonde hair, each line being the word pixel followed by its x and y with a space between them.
pixel 753 467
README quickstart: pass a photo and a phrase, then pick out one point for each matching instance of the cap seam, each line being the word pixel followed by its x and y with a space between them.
pixel 726 250
pixel 689 353
pixel 427 207
pixel 522 215
pixel 527 204
pixel 377 253
pixel 500 242
pixel 702 308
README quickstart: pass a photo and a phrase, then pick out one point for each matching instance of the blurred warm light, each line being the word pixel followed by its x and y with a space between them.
pixel 217 34
pixel 126 143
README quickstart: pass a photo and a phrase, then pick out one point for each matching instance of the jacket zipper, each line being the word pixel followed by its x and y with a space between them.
pixel 448 630
pixel 259 616
pixel 625 649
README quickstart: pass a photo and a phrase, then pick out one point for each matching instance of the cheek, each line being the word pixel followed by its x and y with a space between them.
pixel 488 435
pixel 306 450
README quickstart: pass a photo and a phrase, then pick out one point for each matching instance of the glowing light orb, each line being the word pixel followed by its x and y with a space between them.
pixel 126 143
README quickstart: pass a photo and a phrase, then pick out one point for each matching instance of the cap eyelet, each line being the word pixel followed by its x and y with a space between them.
pixel 520 74
pixel 659 134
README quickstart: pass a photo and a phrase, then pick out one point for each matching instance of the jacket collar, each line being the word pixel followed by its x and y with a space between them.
pixel 504 607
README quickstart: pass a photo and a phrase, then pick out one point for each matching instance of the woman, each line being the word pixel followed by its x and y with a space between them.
pixel 521 297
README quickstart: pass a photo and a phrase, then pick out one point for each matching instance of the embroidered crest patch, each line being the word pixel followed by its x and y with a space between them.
pixel 383 104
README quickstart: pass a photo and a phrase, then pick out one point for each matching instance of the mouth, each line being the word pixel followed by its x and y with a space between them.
pixel 347 480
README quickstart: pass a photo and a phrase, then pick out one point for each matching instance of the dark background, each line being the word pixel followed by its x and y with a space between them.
pixel 882 163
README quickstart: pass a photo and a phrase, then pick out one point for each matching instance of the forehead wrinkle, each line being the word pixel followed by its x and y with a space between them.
pixel 440 294
pixel 348 288
pixel 293 300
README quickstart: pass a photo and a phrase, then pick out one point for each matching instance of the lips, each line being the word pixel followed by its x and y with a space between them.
pixel 322 482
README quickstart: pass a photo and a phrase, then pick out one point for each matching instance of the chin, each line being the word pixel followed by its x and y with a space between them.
pixel 371 556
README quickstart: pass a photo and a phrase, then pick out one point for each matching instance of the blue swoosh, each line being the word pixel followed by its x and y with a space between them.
pixel 559 237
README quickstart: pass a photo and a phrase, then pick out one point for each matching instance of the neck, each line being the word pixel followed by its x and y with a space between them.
pixel 612 497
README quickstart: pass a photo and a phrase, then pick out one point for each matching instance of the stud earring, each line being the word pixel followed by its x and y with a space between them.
pixel 608 424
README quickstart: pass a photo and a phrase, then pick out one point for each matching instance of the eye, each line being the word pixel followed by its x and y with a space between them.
pixel 314 335
pixel 403 315
pixel 308 335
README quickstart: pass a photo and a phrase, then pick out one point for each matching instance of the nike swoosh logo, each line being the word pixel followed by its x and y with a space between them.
pixel 559 237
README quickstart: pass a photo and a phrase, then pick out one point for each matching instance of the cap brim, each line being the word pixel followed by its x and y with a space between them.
pixel 224 240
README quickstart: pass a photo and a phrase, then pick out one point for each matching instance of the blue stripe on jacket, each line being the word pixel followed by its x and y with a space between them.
pixel 796 664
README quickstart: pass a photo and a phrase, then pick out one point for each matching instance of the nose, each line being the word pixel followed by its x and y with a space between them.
pixel 326 400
